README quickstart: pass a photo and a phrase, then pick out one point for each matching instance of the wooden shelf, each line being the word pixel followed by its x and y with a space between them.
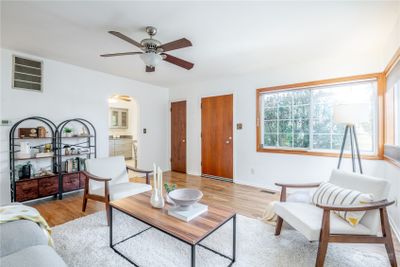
pixel 81 136
pixel 48 157
pixel 77 155
pixel 36 177
pixel 75 172
pixel 30 138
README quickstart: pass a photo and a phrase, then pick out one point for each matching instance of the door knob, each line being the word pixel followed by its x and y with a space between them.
pixel 183 140
pixel 227 142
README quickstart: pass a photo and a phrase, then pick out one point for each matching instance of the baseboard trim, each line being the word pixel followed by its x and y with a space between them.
pixel 395 230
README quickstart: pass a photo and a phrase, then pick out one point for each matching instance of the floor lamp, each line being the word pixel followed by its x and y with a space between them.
pixel 349 115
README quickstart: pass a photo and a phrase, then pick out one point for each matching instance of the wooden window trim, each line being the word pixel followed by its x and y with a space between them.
pixel 381 84
pixel 393 61
pixel 390 102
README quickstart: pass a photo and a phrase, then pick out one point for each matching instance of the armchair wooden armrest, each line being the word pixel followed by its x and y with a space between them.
pixel 309 185
pixel 141 171
pixel 96 178
pixel 285 186
pixel 364 207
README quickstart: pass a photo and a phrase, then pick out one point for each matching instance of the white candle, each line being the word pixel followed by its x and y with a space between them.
pixel 155 175
pixel 159 173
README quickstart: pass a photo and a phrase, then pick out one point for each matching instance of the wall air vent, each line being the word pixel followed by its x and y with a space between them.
pixel 27 74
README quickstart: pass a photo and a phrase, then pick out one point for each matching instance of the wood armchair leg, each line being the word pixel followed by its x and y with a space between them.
pixel 388 236
pixel 84 203
pixel 107 201
pixel 323 239
pixel 278 226
pixel 108 213
pixel 85 193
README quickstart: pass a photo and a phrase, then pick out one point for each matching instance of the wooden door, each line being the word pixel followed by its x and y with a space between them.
pixel 217 138
pixel 178 136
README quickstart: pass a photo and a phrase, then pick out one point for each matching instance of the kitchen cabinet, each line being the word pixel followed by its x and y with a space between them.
pixel 121 147
pixel 119 118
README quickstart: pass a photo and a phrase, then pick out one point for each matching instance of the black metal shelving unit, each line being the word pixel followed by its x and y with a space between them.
pixel 14 144
pixel 87 141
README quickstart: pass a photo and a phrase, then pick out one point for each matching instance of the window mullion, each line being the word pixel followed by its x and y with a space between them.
pixel 277 124
pixel 291 119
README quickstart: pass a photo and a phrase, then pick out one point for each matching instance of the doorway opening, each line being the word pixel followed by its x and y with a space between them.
pixel 123 119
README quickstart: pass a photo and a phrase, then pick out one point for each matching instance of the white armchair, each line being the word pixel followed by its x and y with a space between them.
pixel 107 180
pixel 316 222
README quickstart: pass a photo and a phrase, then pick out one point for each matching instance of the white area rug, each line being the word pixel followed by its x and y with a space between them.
pixel 85 242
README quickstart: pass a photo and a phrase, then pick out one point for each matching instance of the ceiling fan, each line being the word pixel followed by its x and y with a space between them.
pixel 153 51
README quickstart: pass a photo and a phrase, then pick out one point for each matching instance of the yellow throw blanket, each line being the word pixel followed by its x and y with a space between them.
pixel 17 212
pixel 269 215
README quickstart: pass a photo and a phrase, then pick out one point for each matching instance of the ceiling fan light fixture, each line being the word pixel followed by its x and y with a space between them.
pixel 151 59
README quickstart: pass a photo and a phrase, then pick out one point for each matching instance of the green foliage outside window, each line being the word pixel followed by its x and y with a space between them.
pixel 303 119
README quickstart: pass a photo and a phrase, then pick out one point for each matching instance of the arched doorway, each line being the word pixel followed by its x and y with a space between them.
pixel 123 119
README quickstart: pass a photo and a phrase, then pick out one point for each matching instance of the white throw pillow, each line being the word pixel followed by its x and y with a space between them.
pixel 331 194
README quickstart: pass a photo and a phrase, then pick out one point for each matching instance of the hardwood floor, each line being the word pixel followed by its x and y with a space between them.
pixel 245 200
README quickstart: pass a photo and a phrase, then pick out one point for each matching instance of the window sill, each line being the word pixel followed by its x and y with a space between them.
pixel 315 153
pixel 392 161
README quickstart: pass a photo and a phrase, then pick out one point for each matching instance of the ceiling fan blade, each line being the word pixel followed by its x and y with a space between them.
pixel 181 43
pixel 150 69
pixel 121 54
pixel 125 38
pixel 179 62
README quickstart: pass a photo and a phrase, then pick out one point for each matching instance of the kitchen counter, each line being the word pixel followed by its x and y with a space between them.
pixel 122 146
pixel 111 137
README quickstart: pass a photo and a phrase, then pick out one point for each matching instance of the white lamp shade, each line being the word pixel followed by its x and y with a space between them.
pixel 351 114
pixel 151 59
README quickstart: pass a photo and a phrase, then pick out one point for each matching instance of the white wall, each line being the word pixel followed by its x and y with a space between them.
pixel 71 91
pixel 392 42
pixel 392 173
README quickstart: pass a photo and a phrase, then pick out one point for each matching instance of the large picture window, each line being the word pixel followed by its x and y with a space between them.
pixel 301 118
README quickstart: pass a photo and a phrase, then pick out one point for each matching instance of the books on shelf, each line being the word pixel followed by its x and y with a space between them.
pixel 188 215
pixel 74 165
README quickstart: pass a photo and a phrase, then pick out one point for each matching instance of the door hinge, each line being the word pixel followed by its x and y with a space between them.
pixel 170 109
pixel 170 159
pixel 201 105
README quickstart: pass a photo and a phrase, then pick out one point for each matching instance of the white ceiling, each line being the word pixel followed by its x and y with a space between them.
pixel 229 38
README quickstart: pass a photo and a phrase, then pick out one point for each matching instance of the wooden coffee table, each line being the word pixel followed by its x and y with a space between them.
pixel 191 233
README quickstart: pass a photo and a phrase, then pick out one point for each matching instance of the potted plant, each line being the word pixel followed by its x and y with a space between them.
pixel 68 132
pixel 169 188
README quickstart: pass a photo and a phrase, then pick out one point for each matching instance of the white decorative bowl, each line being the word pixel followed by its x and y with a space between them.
pixel 185 197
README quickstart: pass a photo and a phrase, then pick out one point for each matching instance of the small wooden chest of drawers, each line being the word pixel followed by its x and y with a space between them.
pixel 48 186
pixel 70 181
pixel 26 190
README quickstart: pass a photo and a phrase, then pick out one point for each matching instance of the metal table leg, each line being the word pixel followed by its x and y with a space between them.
pixel 234 240
pixel 111 227
pixel 193 256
